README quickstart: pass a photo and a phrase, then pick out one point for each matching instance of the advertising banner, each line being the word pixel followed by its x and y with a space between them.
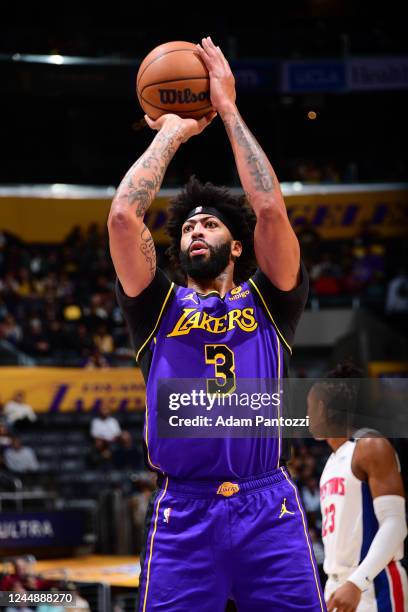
pixel 335 211
pixel 388 369
pixel 368 73
pixel 337 76
pixel 38 529
pixel 75 389
pixel 313 76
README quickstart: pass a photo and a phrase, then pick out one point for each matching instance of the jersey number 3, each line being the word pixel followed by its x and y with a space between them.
pixel 221 356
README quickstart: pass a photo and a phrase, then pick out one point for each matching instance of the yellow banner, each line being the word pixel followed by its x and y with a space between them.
pixel 36 219
pixel 75 389
pixel 334 213
pixel 397 369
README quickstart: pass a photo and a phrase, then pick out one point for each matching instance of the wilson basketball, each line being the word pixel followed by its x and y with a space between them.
pixel 174 79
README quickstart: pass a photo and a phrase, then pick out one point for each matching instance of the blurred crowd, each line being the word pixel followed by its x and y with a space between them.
pixel 367 271
pixel 323 171
pixel 57 302
pixel 111 446
pixel 18 576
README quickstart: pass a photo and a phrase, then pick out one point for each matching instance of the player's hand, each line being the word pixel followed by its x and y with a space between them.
pixel 222 82
pixel 345 599
pixel 185 127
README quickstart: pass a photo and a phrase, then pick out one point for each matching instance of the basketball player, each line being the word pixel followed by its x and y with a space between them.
pixel 362 504
pixel 226 520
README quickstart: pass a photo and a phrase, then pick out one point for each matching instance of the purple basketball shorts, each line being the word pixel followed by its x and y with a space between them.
pixel 245 540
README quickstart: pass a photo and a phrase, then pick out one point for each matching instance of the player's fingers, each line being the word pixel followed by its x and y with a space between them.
pixel 213 46
pixel 204 121
pixel 337 606
pixel 219 56
pixel 330 604
pixel 215 63
pixel 149 122
pixel 200 50
pixel 213 58
pixel 222 56
pixel 209 47
pixel 204 56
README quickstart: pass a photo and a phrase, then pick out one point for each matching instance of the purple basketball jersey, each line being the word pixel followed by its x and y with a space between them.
pixel 193 332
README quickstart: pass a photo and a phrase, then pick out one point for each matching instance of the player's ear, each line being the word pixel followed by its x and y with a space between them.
pixel 236 248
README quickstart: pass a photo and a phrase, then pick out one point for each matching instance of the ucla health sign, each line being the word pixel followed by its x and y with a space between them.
pixel 41 529
pixel 309 76
pixel 354 74
pixel 368 74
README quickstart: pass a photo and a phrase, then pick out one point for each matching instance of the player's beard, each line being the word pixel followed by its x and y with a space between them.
pixel 204 267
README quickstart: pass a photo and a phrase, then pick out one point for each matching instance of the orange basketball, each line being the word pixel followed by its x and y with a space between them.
pixel 174 79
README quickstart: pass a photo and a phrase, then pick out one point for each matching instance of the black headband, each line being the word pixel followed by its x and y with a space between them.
pixel 214 212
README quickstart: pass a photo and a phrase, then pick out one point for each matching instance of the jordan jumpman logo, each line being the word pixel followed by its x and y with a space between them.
pixel 284 509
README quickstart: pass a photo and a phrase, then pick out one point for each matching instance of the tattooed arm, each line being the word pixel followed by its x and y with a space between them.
pixel 276 246
pixel 131 244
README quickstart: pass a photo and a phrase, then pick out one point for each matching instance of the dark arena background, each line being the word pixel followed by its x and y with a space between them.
pixel 323 85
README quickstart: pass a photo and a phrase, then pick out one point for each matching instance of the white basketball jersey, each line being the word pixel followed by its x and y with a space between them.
pixel 349 523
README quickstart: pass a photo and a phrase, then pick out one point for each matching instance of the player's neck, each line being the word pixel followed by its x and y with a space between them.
pixel 335 443
pixel 223 283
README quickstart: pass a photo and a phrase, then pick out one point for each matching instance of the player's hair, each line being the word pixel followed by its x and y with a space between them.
pixel 234 208
pixel 346 369
pixel 339 390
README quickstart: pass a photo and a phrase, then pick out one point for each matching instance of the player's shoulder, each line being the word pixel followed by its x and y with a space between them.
pixel 371 440
pixel 262 285
pixel 373 448
pixel 158 287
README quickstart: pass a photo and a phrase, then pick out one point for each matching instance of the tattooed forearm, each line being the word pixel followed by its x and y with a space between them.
pixel 263 179
pixel 148 250
pixel 142 182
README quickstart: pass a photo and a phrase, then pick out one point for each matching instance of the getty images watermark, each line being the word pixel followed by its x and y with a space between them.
pixel 213 401
pixel 223 408
pixel 227 407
